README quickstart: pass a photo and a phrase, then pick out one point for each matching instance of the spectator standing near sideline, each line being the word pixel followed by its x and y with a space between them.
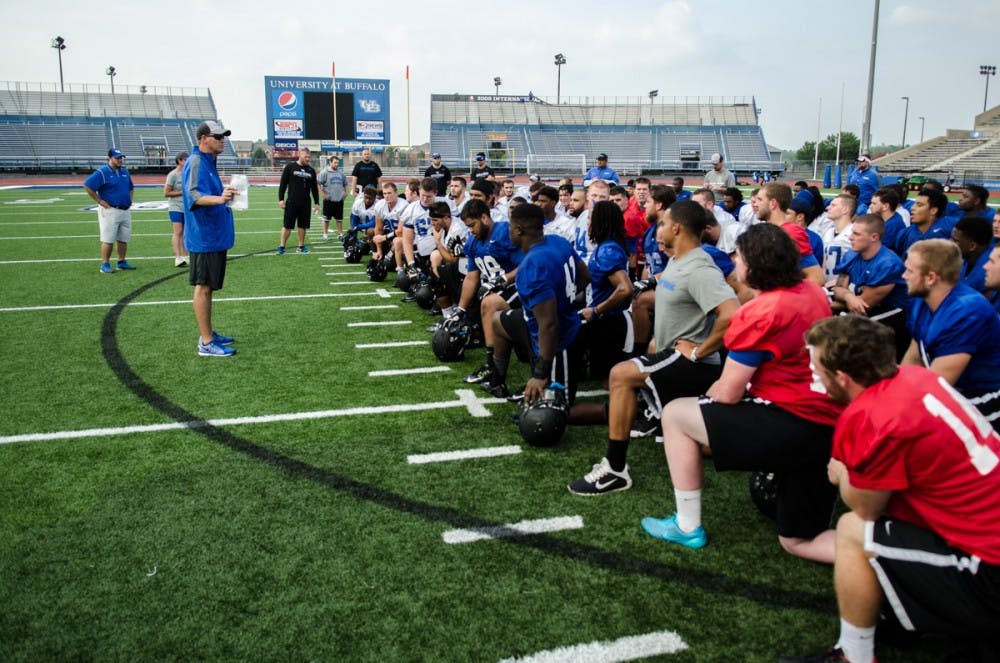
pixel 365 173
pixel 918 467
pixel 175 209
pixel 439 173
pixel 481 170
pixel 719 179
pixel 111 188
pixel 601 172
pixel 209 231
pixel 298 179
pixel 867 181
pixel 332 188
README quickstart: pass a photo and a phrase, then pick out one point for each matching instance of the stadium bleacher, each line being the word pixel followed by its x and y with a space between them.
pixel 639 136
pixel 42 127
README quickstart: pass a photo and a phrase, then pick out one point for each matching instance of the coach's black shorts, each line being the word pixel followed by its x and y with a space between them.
pixel 333 209
pixel 607 341
pixel 930 585
pixel 755 435
pixel 296 214
pixel 674 376
pixel 207 269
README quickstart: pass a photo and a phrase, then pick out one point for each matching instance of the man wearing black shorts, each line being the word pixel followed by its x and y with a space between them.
pixel 299 180
pixel 332 187
pixel 209 232
pixel 919 468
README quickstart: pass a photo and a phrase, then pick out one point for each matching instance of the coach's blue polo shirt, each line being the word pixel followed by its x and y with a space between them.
pixel 114 188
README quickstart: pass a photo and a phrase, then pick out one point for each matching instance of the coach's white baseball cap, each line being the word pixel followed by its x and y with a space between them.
pixel 212 128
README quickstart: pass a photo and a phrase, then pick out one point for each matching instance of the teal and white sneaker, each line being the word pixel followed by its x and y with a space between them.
pixel 106 268
pixel 302 249
pixel 124 264
pixel 214 349
pixel 222 340
pixel 668 530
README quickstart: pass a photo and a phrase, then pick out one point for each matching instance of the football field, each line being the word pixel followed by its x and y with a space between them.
pixel 333 491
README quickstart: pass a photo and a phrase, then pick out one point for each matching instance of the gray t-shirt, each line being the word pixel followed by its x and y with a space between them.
pixel 689 290
pixel 174 203
pixel 723 178
pixel 333 183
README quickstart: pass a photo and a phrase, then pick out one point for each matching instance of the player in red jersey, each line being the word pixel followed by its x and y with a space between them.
pixel 771 205
pixel 781 424
pixel 919 467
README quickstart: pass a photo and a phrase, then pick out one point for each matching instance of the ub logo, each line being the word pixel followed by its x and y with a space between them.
pixel 370 105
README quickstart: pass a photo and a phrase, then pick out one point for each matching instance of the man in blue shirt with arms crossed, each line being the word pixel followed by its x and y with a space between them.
pixel 208 231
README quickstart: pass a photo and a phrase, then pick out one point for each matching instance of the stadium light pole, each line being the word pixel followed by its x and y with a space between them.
pixel 866 129
pixel 987 70
pixel 906 113
pixel 111 72
pixel 59 44
pixel 921 118
pixel 653 94
pixel 560 61
pixel 497 82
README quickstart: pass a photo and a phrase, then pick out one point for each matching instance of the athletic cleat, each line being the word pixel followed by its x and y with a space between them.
pixel 409 297
pixel 495 390
pixel 106 268
pixel 668 530
pixel 326 238
pixel 831 655
pixel 280 251
pixel 124 264
pixel 601 479
pixel 340 237
pixel 222 340
pixel 214 349
pixel 180 262
pixel 517 396
pixel 481 374
pixel 302 249
pixel 645 425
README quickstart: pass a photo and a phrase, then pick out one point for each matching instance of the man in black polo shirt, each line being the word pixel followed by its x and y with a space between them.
pixel 481 170
pixel 299 180
pixel 366 173
pixel 439 173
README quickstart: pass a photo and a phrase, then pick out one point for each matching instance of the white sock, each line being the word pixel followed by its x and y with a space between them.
pixel 858 644
pixel 688 509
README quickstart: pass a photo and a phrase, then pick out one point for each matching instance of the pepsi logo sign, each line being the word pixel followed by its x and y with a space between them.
pixel 287 101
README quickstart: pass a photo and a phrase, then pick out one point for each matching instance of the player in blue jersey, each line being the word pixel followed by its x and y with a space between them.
pixel 885 203
pixel 974 202
pixel 927 219
pixel 111 188
pixel 992 272
pixel 547 280
pixel 956 333
pixel 974 236
pixel 492 262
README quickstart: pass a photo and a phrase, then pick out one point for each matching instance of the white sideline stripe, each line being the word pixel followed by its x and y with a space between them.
pixel 629 648
pixel 408 371
pixel 522 528
pixel 131 258
pixel 91 236
pixel 379 324
pixel 349 282
pixel 368 308
pixel 241 421
pixel 16 309
pixel 444 456
pixel 393 344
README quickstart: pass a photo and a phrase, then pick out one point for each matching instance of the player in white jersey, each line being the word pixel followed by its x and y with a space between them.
pixel 387 230
pixel 837 240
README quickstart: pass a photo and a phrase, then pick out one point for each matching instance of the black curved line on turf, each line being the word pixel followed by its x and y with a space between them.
pixel 579 552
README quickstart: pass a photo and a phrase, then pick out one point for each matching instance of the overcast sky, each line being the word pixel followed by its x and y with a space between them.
pixel 788 55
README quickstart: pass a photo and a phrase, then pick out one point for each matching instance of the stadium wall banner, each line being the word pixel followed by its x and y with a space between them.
pixel 287 129
pixel 285 149
pixel 362 109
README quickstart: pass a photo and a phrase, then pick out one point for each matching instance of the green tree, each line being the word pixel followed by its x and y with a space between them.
pixel 850 145
pixel 259 157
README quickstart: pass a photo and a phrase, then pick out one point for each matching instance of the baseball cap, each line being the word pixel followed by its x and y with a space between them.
pixel 602 157
pixel 114 153
pixel 480 156
pixel 535 178
pixel 212 128
pixel 864 157
pixel 436 155
pixel 716 158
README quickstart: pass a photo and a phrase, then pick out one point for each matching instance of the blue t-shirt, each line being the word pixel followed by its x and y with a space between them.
pixel 655 260
pixel 609 257
pixel 210 228
pixel 965 322
pixel 495 256
pixel 684 195
pixel 895 229
pixel 975 277
pixel 114 188
pixel 940 229
pixel 721 259
pixel 883 268
pixel 605 173
pixel 549 270
pixel 867 181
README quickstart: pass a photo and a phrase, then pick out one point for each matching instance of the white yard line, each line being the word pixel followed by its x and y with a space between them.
pixel 408 371
pixel 446 456
pixel 16 309
pixel 389 344
pixel 523 528
pixel 629 648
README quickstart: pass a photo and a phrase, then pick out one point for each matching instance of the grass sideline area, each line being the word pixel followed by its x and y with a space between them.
pixel 283 519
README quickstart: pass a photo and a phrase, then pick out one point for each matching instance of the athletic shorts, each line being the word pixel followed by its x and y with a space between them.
pixel 671 375
pixel 333 209
pixel 176 217
pixel 296 214
pixel 930 585
pixel 513 322
pixel 607 341
pixel 115 225
pixel 451 279
pixel 894 319
pixel 755 435
pixel 988 404
pixel 207 269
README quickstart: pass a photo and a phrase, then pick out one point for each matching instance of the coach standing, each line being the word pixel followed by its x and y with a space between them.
pixel 111 188
pixel 208 231
pixel 299 180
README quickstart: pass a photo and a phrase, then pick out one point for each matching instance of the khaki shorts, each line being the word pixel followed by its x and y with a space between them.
pixel 115 224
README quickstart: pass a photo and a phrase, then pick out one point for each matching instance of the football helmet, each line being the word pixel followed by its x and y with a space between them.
pixel 764 492
pixel 376 270
pixel 352 254
pixel 425 295
pixel 450 339
pixel 543 423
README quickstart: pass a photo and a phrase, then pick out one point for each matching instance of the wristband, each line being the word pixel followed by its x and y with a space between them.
pixel 542 369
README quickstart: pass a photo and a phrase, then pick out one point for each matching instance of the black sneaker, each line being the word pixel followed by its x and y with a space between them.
pixel 409 297
pixel 435 309
pixel 645 425
pixel 496 390
pixel 481 374
pixel 601 479
pixel 831 655
pixel 517 396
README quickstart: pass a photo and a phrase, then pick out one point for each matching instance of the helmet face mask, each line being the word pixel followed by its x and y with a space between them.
pixel 353 254
pixel 543 423
pixel 450 340
pixel 425 295
pixel 376 270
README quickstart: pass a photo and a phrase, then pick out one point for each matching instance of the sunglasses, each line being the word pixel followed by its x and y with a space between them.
pixel 218 137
